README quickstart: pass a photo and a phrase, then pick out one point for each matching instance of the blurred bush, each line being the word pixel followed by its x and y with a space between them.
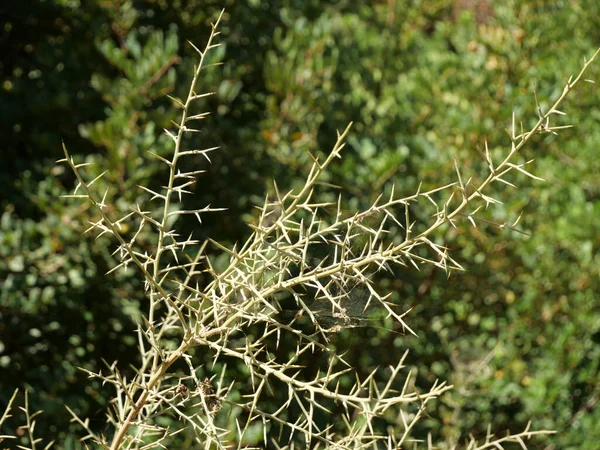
pixel 518 333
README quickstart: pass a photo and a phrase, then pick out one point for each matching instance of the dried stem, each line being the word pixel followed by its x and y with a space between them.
pixel 335 292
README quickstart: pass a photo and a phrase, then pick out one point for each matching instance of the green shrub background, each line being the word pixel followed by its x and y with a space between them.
pixel 425 82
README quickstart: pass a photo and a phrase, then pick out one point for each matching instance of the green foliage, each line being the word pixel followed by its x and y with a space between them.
pixel 517 334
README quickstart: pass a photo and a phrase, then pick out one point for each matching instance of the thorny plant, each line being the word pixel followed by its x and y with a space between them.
pixel 28 428
pixel 277 261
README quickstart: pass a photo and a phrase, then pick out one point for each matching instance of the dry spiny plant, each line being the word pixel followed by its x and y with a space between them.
pixel 278 262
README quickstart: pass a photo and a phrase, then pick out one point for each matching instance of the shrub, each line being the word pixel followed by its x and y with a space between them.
pixel 306 272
